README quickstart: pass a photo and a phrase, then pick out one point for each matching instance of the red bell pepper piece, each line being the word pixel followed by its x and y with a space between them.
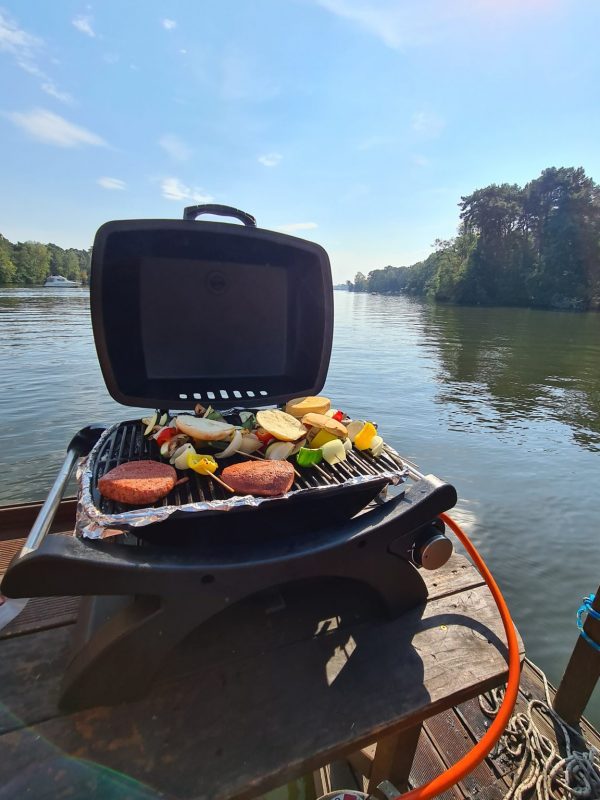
pixel 165 435
pixel 264 436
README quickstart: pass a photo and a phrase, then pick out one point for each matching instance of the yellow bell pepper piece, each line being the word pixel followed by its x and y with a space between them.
pixel 365 436
pixel 204 465
pixel 322 438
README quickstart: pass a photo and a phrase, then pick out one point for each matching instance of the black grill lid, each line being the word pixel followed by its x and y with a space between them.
pixel 211 312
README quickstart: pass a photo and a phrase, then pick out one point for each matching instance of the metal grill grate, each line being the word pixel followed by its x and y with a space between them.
pixel 127 443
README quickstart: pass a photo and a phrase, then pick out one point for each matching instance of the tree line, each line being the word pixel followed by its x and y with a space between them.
pixel 536 245
pixel 30 263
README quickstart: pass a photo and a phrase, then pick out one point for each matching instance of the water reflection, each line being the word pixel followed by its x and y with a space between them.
pixel 501 368
pixel 503 403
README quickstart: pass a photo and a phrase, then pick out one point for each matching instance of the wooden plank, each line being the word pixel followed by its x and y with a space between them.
pixel 263 623
pixel 532 686
pixel 394 755
pixel 30 672
pixel 297 706
pixel 340 775
pixel 8 550
pixel 477 724
pixel 428 765
pixel 42 613
pixel 493 791
pixel 453 742
pixel 16 520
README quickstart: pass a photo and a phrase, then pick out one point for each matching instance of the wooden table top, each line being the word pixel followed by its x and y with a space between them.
pixel 265 692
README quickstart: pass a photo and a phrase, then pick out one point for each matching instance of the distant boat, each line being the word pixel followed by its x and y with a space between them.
pixel 58 281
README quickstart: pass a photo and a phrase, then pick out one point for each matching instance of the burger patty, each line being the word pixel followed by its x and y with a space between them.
pixel 138 483
pixel 264 478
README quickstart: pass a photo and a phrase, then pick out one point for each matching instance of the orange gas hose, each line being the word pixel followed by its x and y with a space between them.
pixel 475 756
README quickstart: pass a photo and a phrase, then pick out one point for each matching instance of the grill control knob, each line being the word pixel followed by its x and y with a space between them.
pixel 434 552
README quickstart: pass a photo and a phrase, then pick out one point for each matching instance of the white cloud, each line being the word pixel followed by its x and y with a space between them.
pixel 174 189
pixel 427 124
pixel 175 147
pixel 15 40
pixel 412 23
pixel 383 19
pixel 50 88
pixel 25 48
pixel 297 226
pixel 111 58
pixel 168 24
pixel 50 128
pixel 111 183
pixel 270 159
pixel 84 25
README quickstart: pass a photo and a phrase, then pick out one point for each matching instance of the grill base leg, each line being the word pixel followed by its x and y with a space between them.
pixel 396 582
pixel 121 643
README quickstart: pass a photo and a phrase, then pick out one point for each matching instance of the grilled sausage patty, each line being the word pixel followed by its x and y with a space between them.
pixel 265 478
pixel 138 483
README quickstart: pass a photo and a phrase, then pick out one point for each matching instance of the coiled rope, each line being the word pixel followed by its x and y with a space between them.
pixel 586 608
pixel 542 773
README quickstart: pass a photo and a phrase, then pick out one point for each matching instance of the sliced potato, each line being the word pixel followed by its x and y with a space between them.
pixel 281 425
pixel 300 406
pixel 205 430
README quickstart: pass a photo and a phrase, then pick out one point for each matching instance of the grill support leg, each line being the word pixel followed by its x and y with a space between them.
pixel 122 643
pixel 119 660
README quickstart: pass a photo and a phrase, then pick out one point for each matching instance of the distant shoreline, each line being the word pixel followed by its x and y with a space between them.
pixel 448 304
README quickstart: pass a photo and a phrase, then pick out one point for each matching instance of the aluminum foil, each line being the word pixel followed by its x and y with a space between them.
pixel 92 523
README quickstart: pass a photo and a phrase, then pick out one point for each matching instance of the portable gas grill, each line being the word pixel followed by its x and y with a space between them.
pixel 232 316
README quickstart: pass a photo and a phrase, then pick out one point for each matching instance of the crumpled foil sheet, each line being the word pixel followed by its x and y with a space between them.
pixel 92 523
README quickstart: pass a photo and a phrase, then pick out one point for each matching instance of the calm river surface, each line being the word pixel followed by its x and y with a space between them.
pixel 504 403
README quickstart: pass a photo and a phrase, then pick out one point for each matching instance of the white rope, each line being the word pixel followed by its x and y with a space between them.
pixel 541 772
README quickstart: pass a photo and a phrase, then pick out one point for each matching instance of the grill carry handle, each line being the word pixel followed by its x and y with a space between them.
pixel 79 446
pixel 191 212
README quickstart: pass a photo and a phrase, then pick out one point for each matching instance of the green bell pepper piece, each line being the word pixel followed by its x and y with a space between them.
pixel 308 456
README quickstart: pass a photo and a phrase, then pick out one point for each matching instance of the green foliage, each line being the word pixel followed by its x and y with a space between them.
pixel 533 246
pixel 30 263
pixel 7 267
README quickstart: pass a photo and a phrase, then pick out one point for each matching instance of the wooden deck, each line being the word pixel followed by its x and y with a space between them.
pixel 444 738
pixel 448 736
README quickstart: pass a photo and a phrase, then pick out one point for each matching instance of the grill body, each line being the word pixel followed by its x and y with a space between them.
pixel 143 600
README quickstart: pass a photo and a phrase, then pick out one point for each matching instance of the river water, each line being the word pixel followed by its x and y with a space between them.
pixel 503 403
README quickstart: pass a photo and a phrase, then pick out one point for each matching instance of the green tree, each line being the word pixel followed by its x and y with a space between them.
pixel 32 262
pixel 7 268
pixel 495 215
pixel 71 266
pixel 57 257
pixel 563 214
pixel 360 282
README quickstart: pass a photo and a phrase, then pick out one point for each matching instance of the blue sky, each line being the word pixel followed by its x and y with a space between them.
pixel 354 123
